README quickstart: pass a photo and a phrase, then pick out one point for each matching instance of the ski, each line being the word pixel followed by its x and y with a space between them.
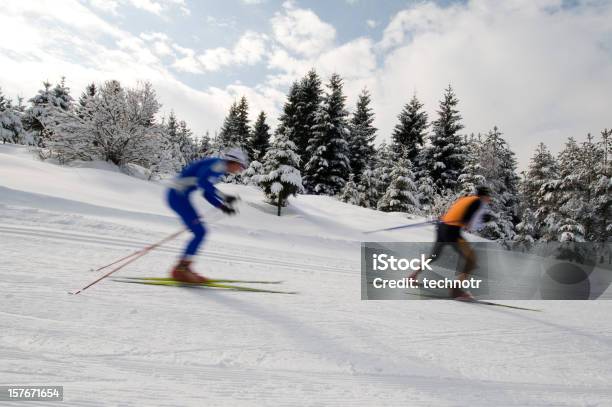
pixel 229 287
pixel 475 301
pixel 212 280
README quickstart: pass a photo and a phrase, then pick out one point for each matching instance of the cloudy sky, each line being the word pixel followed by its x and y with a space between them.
pixel 539 69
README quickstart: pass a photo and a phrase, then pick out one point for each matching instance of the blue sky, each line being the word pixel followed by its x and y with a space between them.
pixel 541 70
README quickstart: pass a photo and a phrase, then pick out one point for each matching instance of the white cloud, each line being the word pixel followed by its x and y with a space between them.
pixel 302 31
pixel 372 23
pixel 107 6
pixel 42 51
pixel 156 7
pixel 252 2
pixel 249 50
pixel 536 69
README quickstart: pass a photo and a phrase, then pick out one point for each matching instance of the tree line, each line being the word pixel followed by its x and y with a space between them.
pixel 319 147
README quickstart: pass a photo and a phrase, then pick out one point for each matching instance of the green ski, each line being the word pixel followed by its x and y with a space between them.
pixel 212 280
pixel 474 301
pixel 229 287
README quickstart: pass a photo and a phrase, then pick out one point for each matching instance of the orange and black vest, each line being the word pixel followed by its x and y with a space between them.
pixel 461 211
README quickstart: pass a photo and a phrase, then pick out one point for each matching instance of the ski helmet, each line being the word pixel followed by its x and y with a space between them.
pixel 237 155
pixel 483 191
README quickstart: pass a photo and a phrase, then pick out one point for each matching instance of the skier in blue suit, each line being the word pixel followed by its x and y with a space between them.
pixel 203 174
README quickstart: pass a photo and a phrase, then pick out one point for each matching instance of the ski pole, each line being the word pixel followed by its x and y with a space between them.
pixel 145 249
pixel 410 225
pixel 132 259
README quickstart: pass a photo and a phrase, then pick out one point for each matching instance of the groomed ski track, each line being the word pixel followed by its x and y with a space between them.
pixel 133 345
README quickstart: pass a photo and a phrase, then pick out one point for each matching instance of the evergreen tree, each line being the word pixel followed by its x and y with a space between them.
pixel 309 98
pixel 260 138
pixel 409 134
pixel 362 135
pixel 281 177
pixel 235 131
pixel 401 195
pixel 172 143
pixel 368 189
pixel 204 146
pixel 447 156
pixel 498 167
pixel 385 161
pixel 350 192
pixel 472 175
pixel 329 166
pixel 11 128
pixel 426 191
pixel 600 188
pixel 253 174
pixel 538 193
pixel 84 105
pixel 61 96
pixel 37 117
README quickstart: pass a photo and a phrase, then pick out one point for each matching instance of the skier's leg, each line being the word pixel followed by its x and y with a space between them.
pixel 436 250
pixel 468 255
pixel 182 206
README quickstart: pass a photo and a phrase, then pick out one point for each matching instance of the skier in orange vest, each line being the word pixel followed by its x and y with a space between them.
pixel 467 212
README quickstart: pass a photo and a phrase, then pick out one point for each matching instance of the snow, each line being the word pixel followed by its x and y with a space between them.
pixel 134 345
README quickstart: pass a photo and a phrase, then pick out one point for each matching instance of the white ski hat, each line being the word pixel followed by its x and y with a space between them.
pixel 237 155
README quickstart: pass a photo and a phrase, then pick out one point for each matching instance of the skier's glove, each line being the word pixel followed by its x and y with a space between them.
pixel 228 210
pixel 487 217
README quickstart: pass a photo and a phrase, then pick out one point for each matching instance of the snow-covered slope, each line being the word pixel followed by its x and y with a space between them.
pixel 124 344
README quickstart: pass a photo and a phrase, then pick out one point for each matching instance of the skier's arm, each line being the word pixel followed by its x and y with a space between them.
pixel 211 194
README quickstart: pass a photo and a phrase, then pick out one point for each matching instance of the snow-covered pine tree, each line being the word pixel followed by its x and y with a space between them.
pixel 538 194
pixel 498 167
pixel 350 192
pixel 409 134
pixel 37 117
pixel 596 171
pixel 426 191
pixel 472 175
pixel 309 96
pixel 61 96
pixel 281 177
pixel 11 128
pixel 253 174
pixel 571 194
pixel 204 146
pixel 216 145
pixel 235 131
pixel 525 230
pixel 172 145
pixel 368 189
pixel 447 155
pixel 84 105
pixel 260 138
pixel 401 195
pixel 385 161
pixel 188 146
pixel 601 194
pixel 362 135
pixel 329 166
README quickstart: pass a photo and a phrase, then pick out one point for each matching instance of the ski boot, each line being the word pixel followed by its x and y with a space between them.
pixel 182 272
pixel 462 295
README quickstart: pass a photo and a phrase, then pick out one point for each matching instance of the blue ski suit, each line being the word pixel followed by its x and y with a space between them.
pixel 202 174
